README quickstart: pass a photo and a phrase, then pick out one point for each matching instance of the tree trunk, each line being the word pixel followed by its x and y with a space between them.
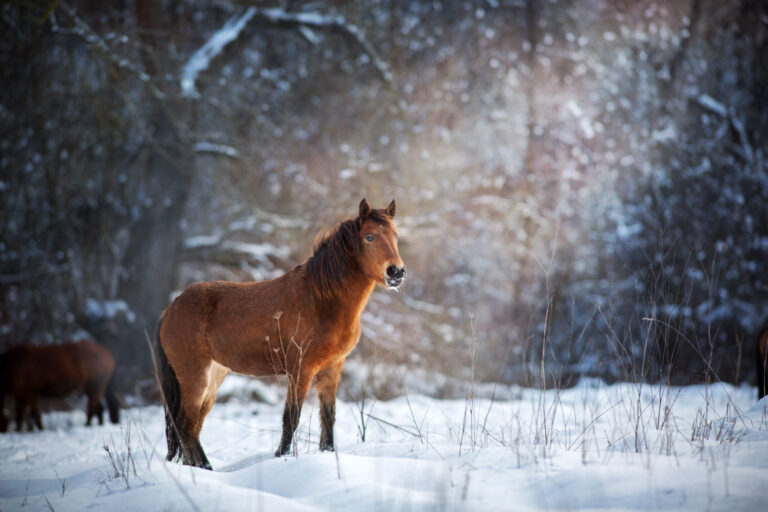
pixel 151 261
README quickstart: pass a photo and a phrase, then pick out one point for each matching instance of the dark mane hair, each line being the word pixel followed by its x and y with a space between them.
pixel 334 255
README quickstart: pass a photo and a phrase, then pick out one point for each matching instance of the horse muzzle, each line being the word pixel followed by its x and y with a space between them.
pixel 395 277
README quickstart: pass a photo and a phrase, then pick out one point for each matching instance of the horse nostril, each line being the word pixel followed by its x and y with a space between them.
pixel 392 271
pixel 402 272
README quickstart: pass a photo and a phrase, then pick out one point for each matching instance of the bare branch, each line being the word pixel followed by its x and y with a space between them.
pixel 28 275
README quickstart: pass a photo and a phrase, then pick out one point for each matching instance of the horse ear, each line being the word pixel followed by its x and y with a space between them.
pixel 392 208
pixel 365 209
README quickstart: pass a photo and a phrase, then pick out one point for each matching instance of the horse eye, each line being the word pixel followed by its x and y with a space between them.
pixel 369 238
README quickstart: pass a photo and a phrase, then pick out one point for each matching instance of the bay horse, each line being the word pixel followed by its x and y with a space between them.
pixel 762 363
pixel 28 372
pixel 302 324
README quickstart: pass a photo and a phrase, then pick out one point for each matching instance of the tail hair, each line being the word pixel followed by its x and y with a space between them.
pixel 171 395
pixel 113 402
pixel 761 360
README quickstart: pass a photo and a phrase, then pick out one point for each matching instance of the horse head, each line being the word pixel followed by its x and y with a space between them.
pixel 378 257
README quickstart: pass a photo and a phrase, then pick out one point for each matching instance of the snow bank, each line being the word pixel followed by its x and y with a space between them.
pixel 619 447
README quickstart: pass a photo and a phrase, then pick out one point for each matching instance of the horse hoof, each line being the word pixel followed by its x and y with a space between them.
pixel 327 448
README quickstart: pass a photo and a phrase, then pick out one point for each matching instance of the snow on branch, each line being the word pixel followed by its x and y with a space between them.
pixel 301 21
pixel 711 104
pixel 108 309
pixel 707 102
pixel 217 149
pixel 201 59
pixel 97 43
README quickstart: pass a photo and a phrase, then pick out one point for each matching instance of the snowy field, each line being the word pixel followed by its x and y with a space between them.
pixel 617 447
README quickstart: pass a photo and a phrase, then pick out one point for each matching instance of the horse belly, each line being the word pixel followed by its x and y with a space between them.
pixel 265 345
pixel 250 358
pixel 65 380
pixel 58 389
pixel 42 374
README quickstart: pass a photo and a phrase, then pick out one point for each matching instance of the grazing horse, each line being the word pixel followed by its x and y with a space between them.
pixel 762 364
pixel 28 372
pixel 302 324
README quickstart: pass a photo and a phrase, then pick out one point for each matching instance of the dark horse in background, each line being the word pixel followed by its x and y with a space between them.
pixel 302 324
pixel 28 372
pixel 762 363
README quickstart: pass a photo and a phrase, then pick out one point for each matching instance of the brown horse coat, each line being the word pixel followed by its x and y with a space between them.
pixel 302 324
pixel 29 371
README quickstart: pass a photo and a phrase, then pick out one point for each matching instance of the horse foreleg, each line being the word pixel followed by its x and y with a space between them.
pixel 298 386
pixel 326 386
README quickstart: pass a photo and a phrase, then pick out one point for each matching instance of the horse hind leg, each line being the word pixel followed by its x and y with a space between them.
pixel 197 397
pixel 94 408
pixel 216 374
pixel 34 410
pixel 192 453
pixel 21 412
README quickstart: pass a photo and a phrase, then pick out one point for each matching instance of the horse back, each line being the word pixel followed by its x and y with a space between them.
pixel 55 370
pixel 95 361
pixel 246 327
pixel 39 370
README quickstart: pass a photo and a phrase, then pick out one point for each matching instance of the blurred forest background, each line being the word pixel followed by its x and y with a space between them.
pixel 583 181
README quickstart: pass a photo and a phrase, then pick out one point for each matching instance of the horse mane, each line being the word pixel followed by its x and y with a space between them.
pixel 334 255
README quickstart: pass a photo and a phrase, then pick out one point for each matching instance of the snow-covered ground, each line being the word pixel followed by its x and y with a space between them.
pixel 617 447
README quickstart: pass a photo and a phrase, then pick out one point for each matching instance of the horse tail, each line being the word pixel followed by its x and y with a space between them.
pixel 113 402
pixel 171 395
pixel 4 388
pixel 5 374
pixel 761 358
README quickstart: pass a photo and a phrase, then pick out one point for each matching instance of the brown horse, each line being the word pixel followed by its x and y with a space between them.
pixel 302 324
pixel 762 364
pixel 28 372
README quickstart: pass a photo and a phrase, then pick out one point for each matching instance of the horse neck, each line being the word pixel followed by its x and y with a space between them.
pixel 356 290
